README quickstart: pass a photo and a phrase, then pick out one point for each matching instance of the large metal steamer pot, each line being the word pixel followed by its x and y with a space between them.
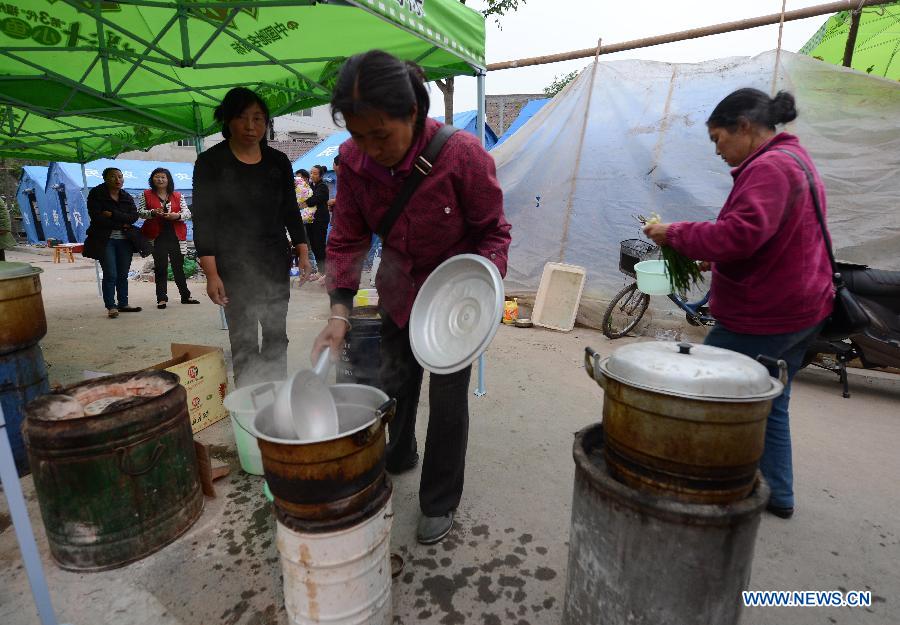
pixel 685 421
pixel 21 307
pixel 330 479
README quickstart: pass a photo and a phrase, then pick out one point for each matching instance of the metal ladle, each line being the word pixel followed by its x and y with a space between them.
pixel 304 408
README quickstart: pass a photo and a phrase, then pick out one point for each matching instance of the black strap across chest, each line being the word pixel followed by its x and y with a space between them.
pixel 422 167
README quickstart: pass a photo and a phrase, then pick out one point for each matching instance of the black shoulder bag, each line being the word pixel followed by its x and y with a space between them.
pixel 422 167
pixel 848 316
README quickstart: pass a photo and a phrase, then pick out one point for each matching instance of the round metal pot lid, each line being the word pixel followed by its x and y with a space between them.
pixel 9 270
pixel 691 371
pixel 456 313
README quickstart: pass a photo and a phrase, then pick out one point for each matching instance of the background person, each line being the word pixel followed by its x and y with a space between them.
pixel 165 212
pixel 7 240
pixel 112 212
pixel 771 276
pixel 317 231
pixel 244 199
pixel 384 103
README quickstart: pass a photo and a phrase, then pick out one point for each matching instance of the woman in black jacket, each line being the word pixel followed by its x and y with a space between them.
pixel 244 200
pixel 112 211
pixel 317 231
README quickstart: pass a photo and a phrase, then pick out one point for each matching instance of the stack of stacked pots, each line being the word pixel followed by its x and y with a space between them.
pixel 23 374
pixel 667 495
pixel 332 502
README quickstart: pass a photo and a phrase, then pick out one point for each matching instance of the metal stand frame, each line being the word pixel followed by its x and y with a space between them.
pixel 480 390
pixel 9 477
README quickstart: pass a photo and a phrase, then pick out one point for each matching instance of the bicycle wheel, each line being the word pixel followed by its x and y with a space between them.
pixel 624 312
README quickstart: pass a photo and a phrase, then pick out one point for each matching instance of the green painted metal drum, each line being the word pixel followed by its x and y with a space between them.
pixel 114 468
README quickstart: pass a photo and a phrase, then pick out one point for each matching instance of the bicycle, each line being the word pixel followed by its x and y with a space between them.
pixel 633 304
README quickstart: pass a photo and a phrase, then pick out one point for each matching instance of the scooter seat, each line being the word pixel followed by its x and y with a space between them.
pixel 877 283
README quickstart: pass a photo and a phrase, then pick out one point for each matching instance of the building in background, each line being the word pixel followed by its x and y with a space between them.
pixel 502 110
pixel 294 134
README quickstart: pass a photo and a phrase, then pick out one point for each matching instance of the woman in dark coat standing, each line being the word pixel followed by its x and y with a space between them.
pixel 112 212
pixel 317 231
pixel 244 199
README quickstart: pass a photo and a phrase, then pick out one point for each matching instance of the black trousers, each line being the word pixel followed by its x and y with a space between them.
pixel 317 233
pixel 253 305
pixel 166 246
pixel 444 462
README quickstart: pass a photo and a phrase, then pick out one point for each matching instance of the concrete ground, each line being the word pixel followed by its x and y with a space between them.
pixel 506 560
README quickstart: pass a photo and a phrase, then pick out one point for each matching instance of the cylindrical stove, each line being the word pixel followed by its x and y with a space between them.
pixel 636 558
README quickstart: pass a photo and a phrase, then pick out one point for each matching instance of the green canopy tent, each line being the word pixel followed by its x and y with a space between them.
pixel 82 79
pixel 876 49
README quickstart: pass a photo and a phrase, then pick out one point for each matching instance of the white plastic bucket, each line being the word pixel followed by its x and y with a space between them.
pixel 652 278
pixel 339 578
pixel 243 404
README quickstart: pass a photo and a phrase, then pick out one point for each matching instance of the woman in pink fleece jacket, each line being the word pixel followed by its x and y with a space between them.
pixel 771 278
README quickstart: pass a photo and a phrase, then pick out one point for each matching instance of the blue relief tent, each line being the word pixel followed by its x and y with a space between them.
pixel 324 153
pixel 31 199
pixel 66 192
pixel 527 112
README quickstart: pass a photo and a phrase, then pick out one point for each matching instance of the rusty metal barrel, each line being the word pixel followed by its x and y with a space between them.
pixel 21 307
pixel 114 468
pixel 23 377
pixel 636 558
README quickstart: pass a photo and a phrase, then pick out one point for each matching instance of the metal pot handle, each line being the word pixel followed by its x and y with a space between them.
pixel 123 460
pixel 386 411
pixel 775 363
pixel 592 366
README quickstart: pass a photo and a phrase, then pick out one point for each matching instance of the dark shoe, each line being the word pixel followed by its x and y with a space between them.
pixel 161 305
pixel 189 301
pixel 781 513
pixel 130 309
pixel 395 468
pixel 112 313
pixel 433 529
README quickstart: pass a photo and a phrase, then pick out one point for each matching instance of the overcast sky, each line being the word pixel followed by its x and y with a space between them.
pixel 551 26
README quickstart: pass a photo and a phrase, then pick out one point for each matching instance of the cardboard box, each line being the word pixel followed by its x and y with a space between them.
pixel 202 371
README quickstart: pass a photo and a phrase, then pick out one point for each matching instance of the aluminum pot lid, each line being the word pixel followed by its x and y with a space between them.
pixel 9 270
pixel 456 313
pixel 692 371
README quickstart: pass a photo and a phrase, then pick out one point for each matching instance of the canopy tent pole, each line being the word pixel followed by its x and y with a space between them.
pixel 12 488
pixel 855 17
pixel 84 185
pixel 480 390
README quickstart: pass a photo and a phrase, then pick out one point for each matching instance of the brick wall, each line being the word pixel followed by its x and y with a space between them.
pixel 502 110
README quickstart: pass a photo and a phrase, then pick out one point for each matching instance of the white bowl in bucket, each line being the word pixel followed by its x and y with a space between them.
pixel 243 404
pixel 652 277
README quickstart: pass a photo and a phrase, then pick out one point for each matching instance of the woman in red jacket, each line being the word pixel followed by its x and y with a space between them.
pixel 771 277
pixel 165 212
pixel 384 103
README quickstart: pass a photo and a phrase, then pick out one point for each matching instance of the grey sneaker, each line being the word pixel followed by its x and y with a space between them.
pixel 433 529
pixel 112 313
